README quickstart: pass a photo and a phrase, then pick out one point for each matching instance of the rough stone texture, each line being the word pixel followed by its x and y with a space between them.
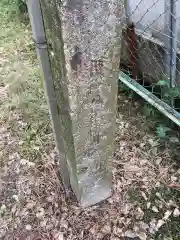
pixel 91 33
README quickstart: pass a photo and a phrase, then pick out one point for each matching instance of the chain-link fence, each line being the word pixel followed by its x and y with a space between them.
pixel 150 52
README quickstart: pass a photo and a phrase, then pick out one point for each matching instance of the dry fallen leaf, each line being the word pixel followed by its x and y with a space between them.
pixel 158 195
pixel 130 234
pixel 132 168
pixel 106 229
pixel 28 227
pixel 174 185
pixel 176 212
pixel 59 236
pixel 148 205
pixel 143 162
pixel 30 204
pixel 43 223
pixel 13 209
pixel 141 235
pixel 144 195
pixel 160 223
pixel 126 208
pixel 174 178
pixel 158 161
pixel 152 226
pixel 139 213
pixel 3 208
pixel 155 209
pixel 15 197
pixel 40 213
pixel 143 225
pixel 167 214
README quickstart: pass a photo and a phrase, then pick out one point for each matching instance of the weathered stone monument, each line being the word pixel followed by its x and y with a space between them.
pixel 85 40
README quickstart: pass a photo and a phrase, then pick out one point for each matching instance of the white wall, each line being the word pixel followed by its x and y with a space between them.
pixel 150 10
pixel 151 56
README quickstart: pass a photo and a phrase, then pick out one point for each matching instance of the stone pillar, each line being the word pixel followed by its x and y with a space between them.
pixel 91 31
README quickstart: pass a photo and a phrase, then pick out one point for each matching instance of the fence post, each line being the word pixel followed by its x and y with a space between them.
pixel 92 41
pixel 42 52
pixel 127 12
pixel 171 40
pixel 88 63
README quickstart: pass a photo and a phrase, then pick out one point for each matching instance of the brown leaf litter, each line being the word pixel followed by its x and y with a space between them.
pixel 34 206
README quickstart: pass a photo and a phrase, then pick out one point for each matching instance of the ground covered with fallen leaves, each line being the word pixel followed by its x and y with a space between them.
pixel 145 203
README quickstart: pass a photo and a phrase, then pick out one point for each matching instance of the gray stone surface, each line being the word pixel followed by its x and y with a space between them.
pixel 87 75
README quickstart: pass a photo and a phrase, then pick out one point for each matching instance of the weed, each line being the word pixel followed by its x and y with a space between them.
pixel 162 131
pixel 149 110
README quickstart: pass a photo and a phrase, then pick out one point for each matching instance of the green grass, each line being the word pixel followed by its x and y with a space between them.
pixel 20 72
pixel 13 9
